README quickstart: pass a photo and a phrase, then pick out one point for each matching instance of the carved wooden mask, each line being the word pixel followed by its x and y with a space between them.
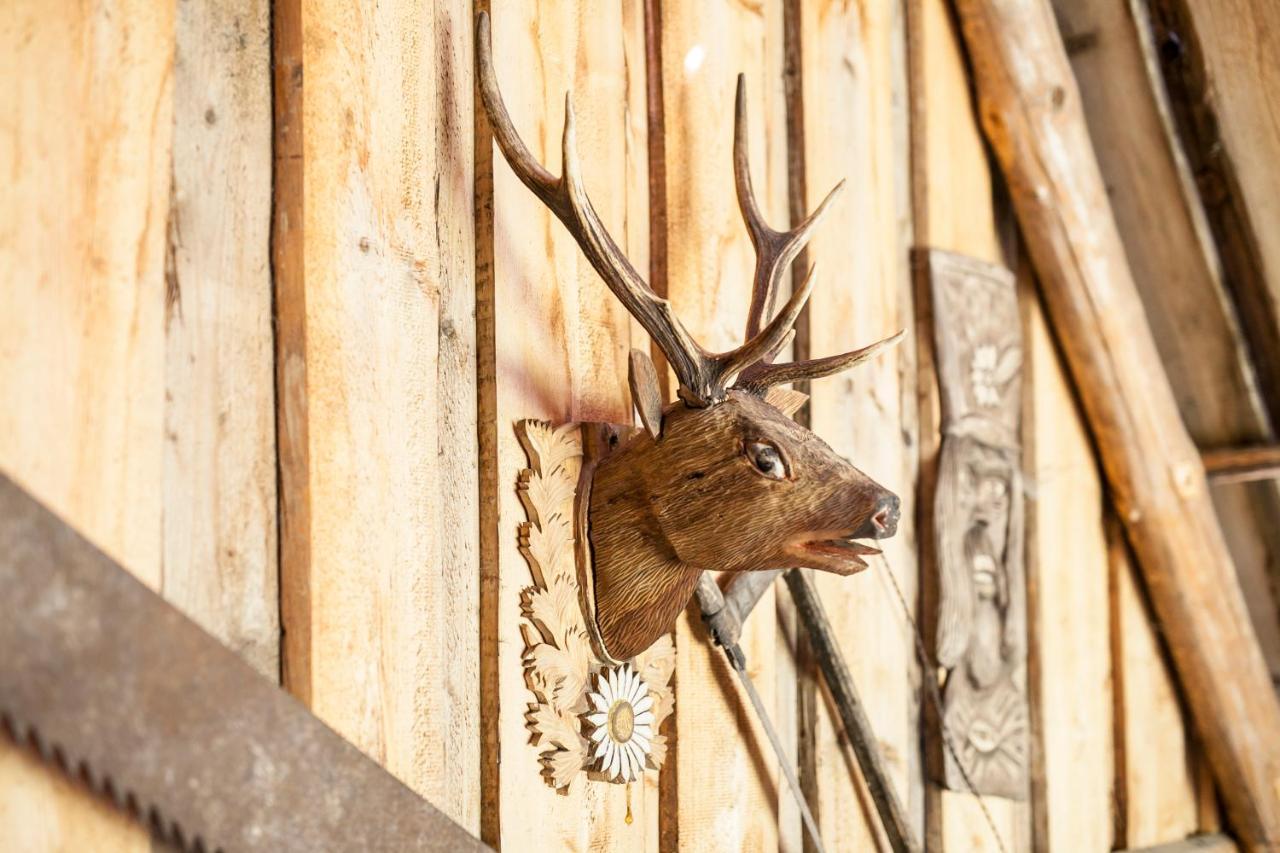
pixel 978 520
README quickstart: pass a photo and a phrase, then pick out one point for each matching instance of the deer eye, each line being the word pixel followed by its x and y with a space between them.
pixel 767 460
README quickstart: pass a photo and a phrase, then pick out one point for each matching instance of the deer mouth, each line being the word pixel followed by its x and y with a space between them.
pixel 842 555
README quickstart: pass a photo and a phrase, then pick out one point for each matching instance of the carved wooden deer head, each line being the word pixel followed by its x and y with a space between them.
pixel 723 478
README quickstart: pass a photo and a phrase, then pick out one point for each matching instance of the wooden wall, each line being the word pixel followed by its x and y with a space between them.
pixel 271 307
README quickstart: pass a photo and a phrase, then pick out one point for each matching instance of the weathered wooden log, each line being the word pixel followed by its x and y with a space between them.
pixel 1030 111
pixel 1242 464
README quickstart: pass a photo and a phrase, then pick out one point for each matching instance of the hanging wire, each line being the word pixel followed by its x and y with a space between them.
pixel 935 699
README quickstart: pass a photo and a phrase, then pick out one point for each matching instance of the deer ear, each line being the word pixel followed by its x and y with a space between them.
pixel 786 400
pixel 645 391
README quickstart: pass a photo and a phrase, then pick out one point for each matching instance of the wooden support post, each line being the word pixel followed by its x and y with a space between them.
pixel 1242 464
pixel 1031 113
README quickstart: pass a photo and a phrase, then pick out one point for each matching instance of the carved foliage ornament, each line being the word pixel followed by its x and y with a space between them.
pixel 979 523
pixel 590 714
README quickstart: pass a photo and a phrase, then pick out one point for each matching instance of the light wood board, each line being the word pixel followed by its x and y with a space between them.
pixel 553 345
pixel 1156 764
pixel 854 88
pixel 725 772
pixel 1068 605
pixel 86 146
pixel 219 444
pixel 383 590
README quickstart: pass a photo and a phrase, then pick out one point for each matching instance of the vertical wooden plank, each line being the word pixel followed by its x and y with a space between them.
pixel 385 583
pixel 953 208
pixel 554 343
pixel 85 146
pixel 1156 768
pixel 1068 605
pixel 726 794
pixel 853 92
pixel 219 449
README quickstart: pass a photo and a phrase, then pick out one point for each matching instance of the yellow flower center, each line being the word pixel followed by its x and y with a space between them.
pixel 622 721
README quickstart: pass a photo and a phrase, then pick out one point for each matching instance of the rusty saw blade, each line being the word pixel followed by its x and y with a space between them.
pixel 130 695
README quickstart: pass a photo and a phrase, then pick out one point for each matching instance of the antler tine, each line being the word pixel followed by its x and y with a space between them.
pixel 567 198
pixel 762 376
pixel 775 250
pixel 761 348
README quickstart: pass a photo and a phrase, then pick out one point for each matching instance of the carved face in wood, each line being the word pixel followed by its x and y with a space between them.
pixel 721 480
pixel 741 487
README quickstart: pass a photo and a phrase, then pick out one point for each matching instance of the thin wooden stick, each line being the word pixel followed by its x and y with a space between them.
pixel 1242 464
pixel 1030 109
pixel 856 725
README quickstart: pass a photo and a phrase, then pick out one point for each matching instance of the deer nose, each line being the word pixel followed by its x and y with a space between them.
pixel 883 522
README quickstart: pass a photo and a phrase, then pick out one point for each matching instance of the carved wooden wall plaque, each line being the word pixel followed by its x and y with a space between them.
pixel 590 713
pixel 978 523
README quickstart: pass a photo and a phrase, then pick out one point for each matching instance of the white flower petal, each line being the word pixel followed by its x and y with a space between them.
pixel 600 701
pixel 645 729
pixel 615 762
pixel 632 765
pixel 640 739
pixel 638 690
pixel 598 718
pixel 642 704
pixel 644 718
pixel 599 734
pixel 602 749
pixel 624 763
pixel 612 681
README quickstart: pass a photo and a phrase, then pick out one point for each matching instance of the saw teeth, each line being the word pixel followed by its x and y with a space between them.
pixel 101 784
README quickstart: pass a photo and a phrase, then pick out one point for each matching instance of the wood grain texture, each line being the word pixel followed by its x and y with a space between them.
pixel 1178 272
pixel 44 812
pixel 1156 765
pixel 1068 604
pixel 219 451
pixel 86 148
pixel 854 95
pixel 1031 112
pixel 554 346
pixel 386 580
pixel 953 209
pixel 725 775
pixel 1223 72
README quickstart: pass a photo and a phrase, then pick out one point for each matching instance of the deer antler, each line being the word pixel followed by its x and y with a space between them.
pixel 705 377
pixel 775 250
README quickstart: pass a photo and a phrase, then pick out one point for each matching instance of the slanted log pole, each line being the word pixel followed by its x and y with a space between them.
pixel 1031 114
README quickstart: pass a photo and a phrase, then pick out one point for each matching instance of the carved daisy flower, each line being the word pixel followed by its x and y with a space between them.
pixel 622 714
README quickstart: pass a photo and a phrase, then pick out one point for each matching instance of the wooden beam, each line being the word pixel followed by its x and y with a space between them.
pixel 1242 464
pixel 1179 274
pixel 1031 113
pixel 1223 77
